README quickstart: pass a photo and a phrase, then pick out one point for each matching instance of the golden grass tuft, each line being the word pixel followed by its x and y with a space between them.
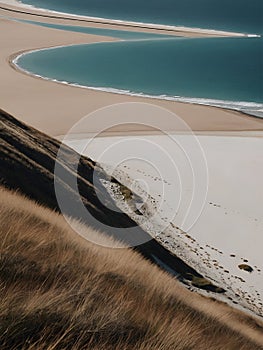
pixel 59 291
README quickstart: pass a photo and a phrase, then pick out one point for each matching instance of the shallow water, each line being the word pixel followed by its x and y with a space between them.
pixel 120 34
pixel 236 15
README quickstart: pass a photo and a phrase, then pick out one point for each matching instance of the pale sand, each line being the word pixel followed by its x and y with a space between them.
pixel 53 108
pixel 221 220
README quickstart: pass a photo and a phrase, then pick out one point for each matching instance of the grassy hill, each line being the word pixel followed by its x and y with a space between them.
pixel 27 164
pixel 59 291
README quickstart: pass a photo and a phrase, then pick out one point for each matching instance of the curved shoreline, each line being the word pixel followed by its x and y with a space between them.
pixel 222 104
pixel 118 22
pixel 58 106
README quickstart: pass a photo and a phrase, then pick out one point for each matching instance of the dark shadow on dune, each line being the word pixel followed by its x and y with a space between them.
pixel 27 164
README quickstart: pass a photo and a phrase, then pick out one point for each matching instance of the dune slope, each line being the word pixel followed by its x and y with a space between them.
pixel 59 291
pixel 27 164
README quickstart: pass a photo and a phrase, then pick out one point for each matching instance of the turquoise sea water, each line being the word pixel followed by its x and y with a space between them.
pixel 120 34
pixel 211 71
pixel 235 15
pixel 226 72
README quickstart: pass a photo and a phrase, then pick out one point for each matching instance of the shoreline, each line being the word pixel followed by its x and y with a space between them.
pixel 141 25
pixel 222 104
pixel 70 103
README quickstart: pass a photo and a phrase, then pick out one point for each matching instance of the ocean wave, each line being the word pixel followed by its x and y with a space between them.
pixel 252 108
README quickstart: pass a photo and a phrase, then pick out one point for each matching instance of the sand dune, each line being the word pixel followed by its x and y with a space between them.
pixel 28 160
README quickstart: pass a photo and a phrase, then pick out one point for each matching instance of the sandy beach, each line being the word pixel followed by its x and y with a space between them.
pixel 45 104
pixel 224 234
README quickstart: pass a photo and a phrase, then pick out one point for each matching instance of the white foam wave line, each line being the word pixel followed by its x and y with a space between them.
pixel 253 36
pixel 139 24
pixel 252 108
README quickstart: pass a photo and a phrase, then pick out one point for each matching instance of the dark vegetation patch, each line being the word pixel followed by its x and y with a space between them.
pixel 27 164
pixel 58 293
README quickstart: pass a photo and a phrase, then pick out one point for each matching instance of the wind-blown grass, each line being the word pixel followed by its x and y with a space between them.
pixel 27 162
pixel 59 291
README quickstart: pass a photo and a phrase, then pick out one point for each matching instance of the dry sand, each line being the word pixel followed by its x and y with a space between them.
pixel 219 216
pixel 54 108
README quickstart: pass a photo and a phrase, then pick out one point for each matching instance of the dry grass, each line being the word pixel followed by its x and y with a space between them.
pixel 27 162
pixel 61 292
